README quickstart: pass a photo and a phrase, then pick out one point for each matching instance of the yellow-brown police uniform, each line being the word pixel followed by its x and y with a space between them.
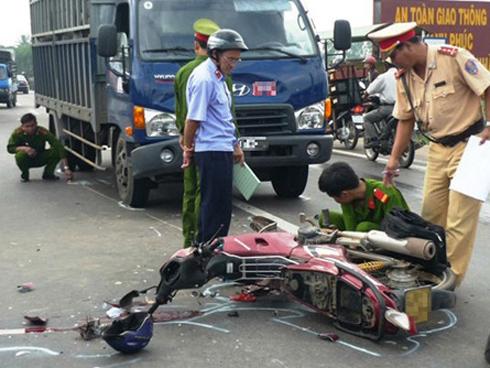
pixel 448 102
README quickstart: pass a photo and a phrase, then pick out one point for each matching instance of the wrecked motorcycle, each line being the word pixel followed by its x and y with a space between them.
pixel 368 284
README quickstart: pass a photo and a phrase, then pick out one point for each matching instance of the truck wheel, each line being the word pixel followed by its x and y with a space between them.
pixel 9 102
pixel 133 192
pixel 290 182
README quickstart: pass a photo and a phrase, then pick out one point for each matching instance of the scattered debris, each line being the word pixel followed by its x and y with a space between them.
pixel 90 330
pixel 36 320
pixel 233 314
pixel 244 297
pixel 25 287
pixel 115 312
pixel 328 336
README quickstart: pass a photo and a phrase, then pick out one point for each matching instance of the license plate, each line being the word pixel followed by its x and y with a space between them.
pixel 254 143
pixel 357 119
pixel 418 303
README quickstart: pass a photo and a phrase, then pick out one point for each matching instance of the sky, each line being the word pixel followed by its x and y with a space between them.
pixel 323 12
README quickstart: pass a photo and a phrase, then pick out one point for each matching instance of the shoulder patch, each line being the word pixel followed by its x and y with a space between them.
pixel 447 50
pixel 380 195
pixel 371 204
pixel 471 67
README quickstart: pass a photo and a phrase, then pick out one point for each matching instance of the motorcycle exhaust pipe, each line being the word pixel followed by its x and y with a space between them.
pixel 414 247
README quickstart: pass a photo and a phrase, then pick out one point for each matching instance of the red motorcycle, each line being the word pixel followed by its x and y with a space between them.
pixel 368 284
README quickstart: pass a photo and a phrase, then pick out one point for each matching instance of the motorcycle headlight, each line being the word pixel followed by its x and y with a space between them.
pixel 311 117
pixel 160 124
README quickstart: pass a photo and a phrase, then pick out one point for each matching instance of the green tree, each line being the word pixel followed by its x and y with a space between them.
pixel 23 56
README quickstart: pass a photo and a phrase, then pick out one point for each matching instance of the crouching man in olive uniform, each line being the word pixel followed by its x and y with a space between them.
pixel 28 144
pixel 364 202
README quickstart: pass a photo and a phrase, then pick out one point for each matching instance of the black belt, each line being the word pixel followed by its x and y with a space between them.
pixel 452 140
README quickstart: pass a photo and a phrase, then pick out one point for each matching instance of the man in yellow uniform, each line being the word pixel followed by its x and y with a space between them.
pixel 440 88
pixel 203 28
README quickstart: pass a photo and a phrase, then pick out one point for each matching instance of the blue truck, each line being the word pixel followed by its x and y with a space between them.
pixel 105 69
pixel 8 86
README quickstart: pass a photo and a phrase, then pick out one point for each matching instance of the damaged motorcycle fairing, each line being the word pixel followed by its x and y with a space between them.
pixel 359 284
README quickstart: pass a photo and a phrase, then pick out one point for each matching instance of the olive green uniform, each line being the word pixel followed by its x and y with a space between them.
pixel 367 214
pixel 191 202
pixel 44 157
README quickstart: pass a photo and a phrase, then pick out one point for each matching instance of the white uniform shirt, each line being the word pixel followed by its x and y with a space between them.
pixel 384 86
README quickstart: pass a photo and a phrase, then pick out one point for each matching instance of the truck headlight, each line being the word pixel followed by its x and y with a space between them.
pixel 311 117
pixel 160 124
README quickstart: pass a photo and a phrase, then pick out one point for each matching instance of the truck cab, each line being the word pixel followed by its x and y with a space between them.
pixel 115 63
pixel 279 88
pixel 8 87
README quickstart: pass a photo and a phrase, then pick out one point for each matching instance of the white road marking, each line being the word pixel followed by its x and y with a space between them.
pixel 30 349
pixel 283 224
pixel 163 222
pixel 156 231
pixel 415 166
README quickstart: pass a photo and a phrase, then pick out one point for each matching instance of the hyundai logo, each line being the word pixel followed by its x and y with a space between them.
pixel 240 89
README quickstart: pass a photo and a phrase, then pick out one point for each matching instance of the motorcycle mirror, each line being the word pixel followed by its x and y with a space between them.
pixel 127 300
pixel 398 319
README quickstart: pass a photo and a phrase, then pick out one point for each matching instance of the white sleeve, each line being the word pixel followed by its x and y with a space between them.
pixel 377 85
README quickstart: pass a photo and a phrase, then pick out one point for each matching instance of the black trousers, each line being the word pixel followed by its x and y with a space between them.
pixel 216 181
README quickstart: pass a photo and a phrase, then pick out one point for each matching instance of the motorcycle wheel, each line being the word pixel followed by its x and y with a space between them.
pixel 371 154
pixel 445 281
pixel 408 156
pixel 351 140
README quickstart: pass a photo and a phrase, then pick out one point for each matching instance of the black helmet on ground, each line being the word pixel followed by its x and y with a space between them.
pixel 226 39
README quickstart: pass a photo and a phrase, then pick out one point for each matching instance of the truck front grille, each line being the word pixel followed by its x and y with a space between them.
pixel 260 120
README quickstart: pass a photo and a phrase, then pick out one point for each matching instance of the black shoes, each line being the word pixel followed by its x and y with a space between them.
pixel 50 177
pixel 24 178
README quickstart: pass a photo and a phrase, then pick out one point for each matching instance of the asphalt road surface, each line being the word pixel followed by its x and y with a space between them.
pixel 79 247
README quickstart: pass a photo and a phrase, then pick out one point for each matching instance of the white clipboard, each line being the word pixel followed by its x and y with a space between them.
pixel 472 177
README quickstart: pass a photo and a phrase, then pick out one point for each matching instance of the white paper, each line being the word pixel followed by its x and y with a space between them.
pixel 472 177
pixel 245 180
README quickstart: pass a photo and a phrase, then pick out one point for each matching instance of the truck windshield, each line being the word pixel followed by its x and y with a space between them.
pixel 3 72
pixel 270 28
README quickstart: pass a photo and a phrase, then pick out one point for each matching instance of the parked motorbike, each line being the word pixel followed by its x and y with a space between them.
pixel 368 284
pixel 345 129
pixel 345 88
pixel 386 132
